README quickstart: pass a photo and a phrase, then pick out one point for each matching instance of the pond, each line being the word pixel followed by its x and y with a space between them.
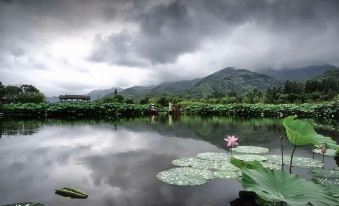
pixel 116 162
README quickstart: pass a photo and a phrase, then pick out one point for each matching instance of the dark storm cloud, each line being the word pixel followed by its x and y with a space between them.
pixel 190 37
pixel 171 29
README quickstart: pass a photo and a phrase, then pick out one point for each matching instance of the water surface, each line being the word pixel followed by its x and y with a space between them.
pixel 116 161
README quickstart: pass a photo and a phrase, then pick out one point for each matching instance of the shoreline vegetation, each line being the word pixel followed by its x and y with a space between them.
pixel 118 110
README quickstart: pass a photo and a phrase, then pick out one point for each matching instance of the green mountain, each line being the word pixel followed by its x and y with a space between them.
pixel 328 75
pixel 136 91
pixel 97 94
pixel 222 82
pixel 229 80
pixel 298 74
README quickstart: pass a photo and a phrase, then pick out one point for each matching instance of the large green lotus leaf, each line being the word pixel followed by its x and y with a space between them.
pixel 213 165
pixel 226 174
pixel 185 176
pixel 215 156
pixel 329 152
pixel 334 190
pixel 299 133
pixel 278 186
pixel 250 149
pixel 303 162
pixel 246 157
pixel 183 162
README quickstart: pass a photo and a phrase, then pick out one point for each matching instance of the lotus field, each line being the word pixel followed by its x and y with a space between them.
pixel 263 175
pixel 113 110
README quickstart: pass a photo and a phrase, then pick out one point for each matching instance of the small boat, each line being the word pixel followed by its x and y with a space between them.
pixel 71 192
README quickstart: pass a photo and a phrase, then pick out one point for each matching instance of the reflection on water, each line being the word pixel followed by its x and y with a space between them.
pixel 116 162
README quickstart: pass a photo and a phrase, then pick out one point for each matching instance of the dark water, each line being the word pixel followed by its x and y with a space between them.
pixel 116 161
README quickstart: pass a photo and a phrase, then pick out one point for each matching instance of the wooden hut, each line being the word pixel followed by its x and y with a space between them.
pixel 77 98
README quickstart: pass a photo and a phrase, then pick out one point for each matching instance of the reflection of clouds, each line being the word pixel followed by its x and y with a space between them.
pixel 114 167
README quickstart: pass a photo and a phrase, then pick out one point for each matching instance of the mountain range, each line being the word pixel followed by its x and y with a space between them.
pixel 223 81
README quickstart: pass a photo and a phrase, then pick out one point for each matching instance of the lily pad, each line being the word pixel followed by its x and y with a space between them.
pixel 226 174
pixel 326 181
pixel 303 162
pixel 185 176
pixel 71 192
pixel 246 157
pixel 329 152
pixel 324 173
pixel 183 162
pixel 25 204
pixel 271 166
pixel 213 165
pixel 250 149
pixel 213 156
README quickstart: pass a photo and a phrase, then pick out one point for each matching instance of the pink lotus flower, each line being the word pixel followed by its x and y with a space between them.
pixel 231 141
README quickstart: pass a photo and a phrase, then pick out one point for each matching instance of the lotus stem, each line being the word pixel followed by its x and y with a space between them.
pixel 292 158
pixel 282 153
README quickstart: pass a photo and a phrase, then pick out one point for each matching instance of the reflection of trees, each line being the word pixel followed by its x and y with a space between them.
pixel 19 127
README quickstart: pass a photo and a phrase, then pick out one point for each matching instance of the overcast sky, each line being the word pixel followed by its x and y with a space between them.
pixel 74 46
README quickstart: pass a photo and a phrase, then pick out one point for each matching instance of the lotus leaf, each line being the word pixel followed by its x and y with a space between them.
pixel 326 181
pixel 303 162
pixel 214 165
pixel 183 162
pixel 250 157
pixel 226 174
pixel 185 176
pixel 324 173
pixel 215 156
pixel 271 166
pixel 301 133
pixel 250 149
pixel 279 186
pixel 329 152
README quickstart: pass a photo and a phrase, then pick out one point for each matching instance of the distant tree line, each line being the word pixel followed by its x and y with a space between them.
pixel 290 92
pixel 20 94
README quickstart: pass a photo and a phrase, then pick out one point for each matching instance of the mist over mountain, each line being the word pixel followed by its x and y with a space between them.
pixel 298 74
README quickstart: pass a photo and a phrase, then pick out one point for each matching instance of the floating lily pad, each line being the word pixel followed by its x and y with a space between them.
pixel 246 157
pixel 303 162
pixel 214 156
pixel 213 165
pixel 226 174
pixel 324 173
pixel 271 166
pixel 25 204
pixel 329 152
pixel 183 162
pixel 185 176
pixel 250 149
pixel 71 192
pixel 326 181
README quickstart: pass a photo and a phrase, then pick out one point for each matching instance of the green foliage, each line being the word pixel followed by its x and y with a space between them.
pixel 279 186
pixel 324 110
pixel 22 94
pixel 301 133
pixel 73 109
